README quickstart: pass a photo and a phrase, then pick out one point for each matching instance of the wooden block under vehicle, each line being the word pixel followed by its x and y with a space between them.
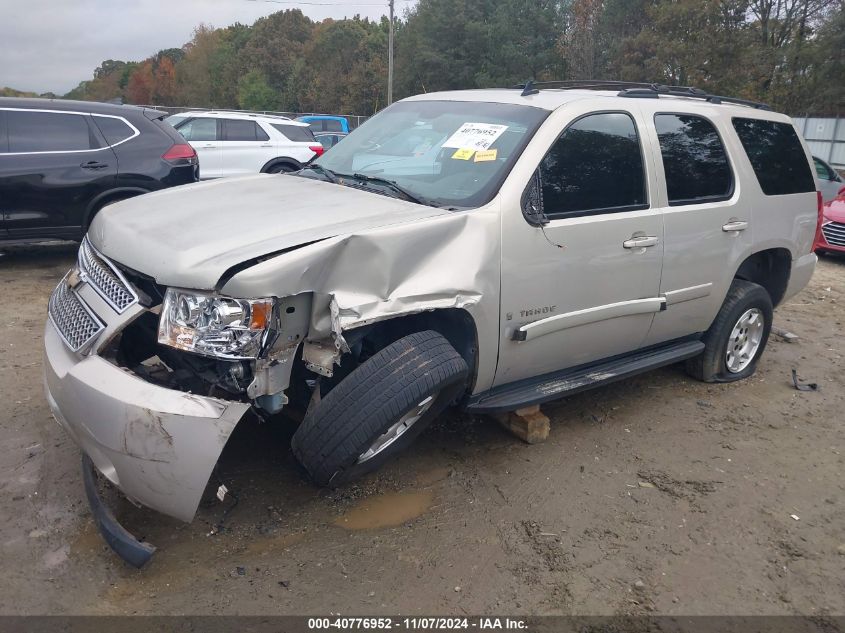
pixel 528 424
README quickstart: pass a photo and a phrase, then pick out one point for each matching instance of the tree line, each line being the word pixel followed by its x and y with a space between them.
pixel 789 53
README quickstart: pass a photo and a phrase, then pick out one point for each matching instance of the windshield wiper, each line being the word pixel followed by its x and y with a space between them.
pixel 328 173
pixel 391 184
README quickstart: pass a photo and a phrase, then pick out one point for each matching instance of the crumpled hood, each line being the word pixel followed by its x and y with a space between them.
pixel 189 236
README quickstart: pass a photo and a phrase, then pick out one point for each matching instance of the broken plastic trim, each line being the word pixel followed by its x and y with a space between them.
pixel 130 549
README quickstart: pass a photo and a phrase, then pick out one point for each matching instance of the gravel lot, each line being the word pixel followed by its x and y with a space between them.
pixel 654 495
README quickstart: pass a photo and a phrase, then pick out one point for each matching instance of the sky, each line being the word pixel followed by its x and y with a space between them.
pixel 52 45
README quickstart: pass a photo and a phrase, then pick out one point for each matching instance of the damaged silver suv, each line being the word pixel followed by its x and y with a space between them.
pixel 490 249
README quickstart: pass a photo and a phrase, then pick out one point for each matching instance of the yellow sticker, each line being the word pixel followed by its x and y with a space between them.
pixel 485 155
pixel 463 154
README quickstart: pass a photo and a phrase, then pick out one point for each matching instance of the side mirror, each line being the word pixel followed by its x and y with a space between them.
pixel 532 202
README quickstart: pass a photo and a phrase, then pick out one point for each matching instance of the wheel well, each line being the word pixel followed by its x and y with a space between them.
pixel 455 324
pixel 281 161
pixel 770 269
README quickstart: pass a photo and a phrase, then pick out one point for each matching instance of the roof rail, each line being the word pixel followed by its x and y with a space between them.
pixel 635 89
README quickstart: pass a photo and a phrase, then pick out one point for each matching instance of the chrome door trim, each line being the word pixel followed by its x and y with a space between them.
pixel 539 328
pixel 687 294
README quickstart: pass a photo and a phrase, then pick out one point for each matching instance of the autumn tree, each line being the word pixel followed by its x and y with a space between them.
pixel 141 84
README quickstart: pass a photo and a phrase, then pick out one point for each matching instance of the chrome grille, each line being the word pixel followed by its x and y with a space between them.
pixel 76 324
pixel 104 278
pixel 834 233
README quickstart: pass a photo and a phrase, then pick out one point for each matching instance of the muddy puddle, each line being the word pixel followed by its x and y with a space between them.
pixel 386 510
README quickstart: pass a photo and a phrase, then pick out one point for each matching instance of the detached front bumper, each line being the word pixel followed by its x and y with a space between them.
pixel 157 445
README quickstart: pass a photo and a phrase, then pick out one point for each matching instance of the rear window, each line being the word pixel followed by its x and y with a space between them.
pixel 115 130
pixel 236 130
pixel 48 132
pixel 295 133
pixel 331 125
pixel 776 155
pixel 198 129
pixel 694 160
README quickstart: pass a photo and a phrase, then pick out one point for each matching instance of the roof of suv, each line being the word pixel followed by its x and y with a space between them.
pixel 553 98
pixel 246 116
pixel 94 107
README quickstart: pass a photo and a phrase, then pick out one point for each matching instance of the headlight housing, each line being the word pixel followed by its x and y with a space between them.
pixel 212 325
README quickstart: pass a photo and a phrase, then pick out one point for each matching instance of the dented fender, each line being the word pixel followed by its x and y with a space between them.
pixel 447 261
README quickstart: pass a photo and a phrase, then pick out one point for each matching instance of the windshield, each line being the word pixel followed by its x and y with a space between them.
pixel 447 153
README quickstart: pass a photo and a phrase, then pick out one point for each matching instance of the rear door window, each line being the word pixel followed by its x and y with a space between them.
pixel 295 133
pixel 595 166
pixel 776 155
pixel 694 159
pixel 237 130
pixel 114 130
pixel 48 132
pixel 199 130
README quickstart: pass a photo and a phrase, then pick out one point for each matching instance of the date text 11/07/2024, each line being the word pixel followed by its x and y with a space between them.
pixel 417 624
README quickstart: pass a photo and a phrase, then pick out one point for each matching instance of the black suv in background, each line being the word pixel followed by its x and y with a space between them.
pixel 63 161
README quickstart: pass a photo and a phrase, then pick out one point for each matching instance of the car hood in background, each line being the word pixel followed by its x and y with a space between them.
pixel 835 209
pixel 190 236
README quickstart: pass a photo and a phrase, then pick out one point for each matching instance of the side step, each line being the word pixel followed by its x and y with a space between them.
pixel 556 385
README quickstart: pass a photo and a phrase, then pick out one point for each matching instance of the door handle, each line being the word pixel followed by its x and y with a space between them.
pixel 92 164
pixel 735 226
pixel 641 241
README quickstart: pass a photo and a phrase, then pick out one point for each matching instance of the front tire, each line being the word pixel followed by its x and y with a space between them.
pixel 379 408
pixel 735 341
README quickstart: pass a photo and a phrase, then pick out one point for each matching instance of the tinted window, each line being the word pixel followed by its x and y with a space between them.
pixel 596 164
pixel 234 130
pixel 694 159
pixel 115 130
pixel 777 156
pixel 47 132
pixel 296 133
pixel 333 126
pixel 199 130
pixel 822 171
pixel 329 140
pixel 316 126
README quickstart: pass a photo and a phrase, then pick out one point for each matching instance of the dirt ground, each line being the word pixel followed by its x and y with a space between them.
pixel 653 495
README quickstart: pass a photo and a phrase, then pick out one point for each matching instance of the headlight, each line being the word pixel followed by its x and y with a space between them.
pixel 215 326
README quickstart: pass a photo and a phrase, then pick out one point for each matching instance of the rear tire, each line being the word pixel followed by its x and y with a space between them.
pixel 280 168
pixel 735 341
pixel 379 408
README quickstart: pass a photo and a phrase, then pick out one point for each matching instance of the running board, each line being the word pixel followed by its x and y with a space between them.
pixel 570 381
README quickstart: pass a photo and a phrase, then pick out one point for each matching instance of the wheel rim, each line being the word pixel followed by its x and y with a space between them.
pixel 397 430
pixel 745 340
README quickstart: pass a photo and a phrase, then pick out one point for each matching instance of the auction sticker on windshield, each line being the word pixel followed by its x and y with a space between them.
pixel 478 136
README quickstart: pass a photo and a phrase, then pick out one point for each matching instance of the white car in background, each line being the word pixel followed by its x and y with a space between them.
pixel 239 143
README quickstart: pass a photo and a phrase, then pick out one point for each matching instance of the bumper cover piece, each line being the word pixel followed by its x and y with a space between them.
pixel 130 549
pixel 157 445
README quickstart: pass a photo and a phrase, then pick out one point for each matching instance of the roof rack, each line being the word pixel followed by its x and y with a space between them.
pixel 634 89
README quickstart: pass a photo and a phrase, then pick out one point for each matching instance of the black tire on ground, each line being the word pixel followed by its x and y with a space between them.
pixel 711 364
pixel 372 399
pixel 280 168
